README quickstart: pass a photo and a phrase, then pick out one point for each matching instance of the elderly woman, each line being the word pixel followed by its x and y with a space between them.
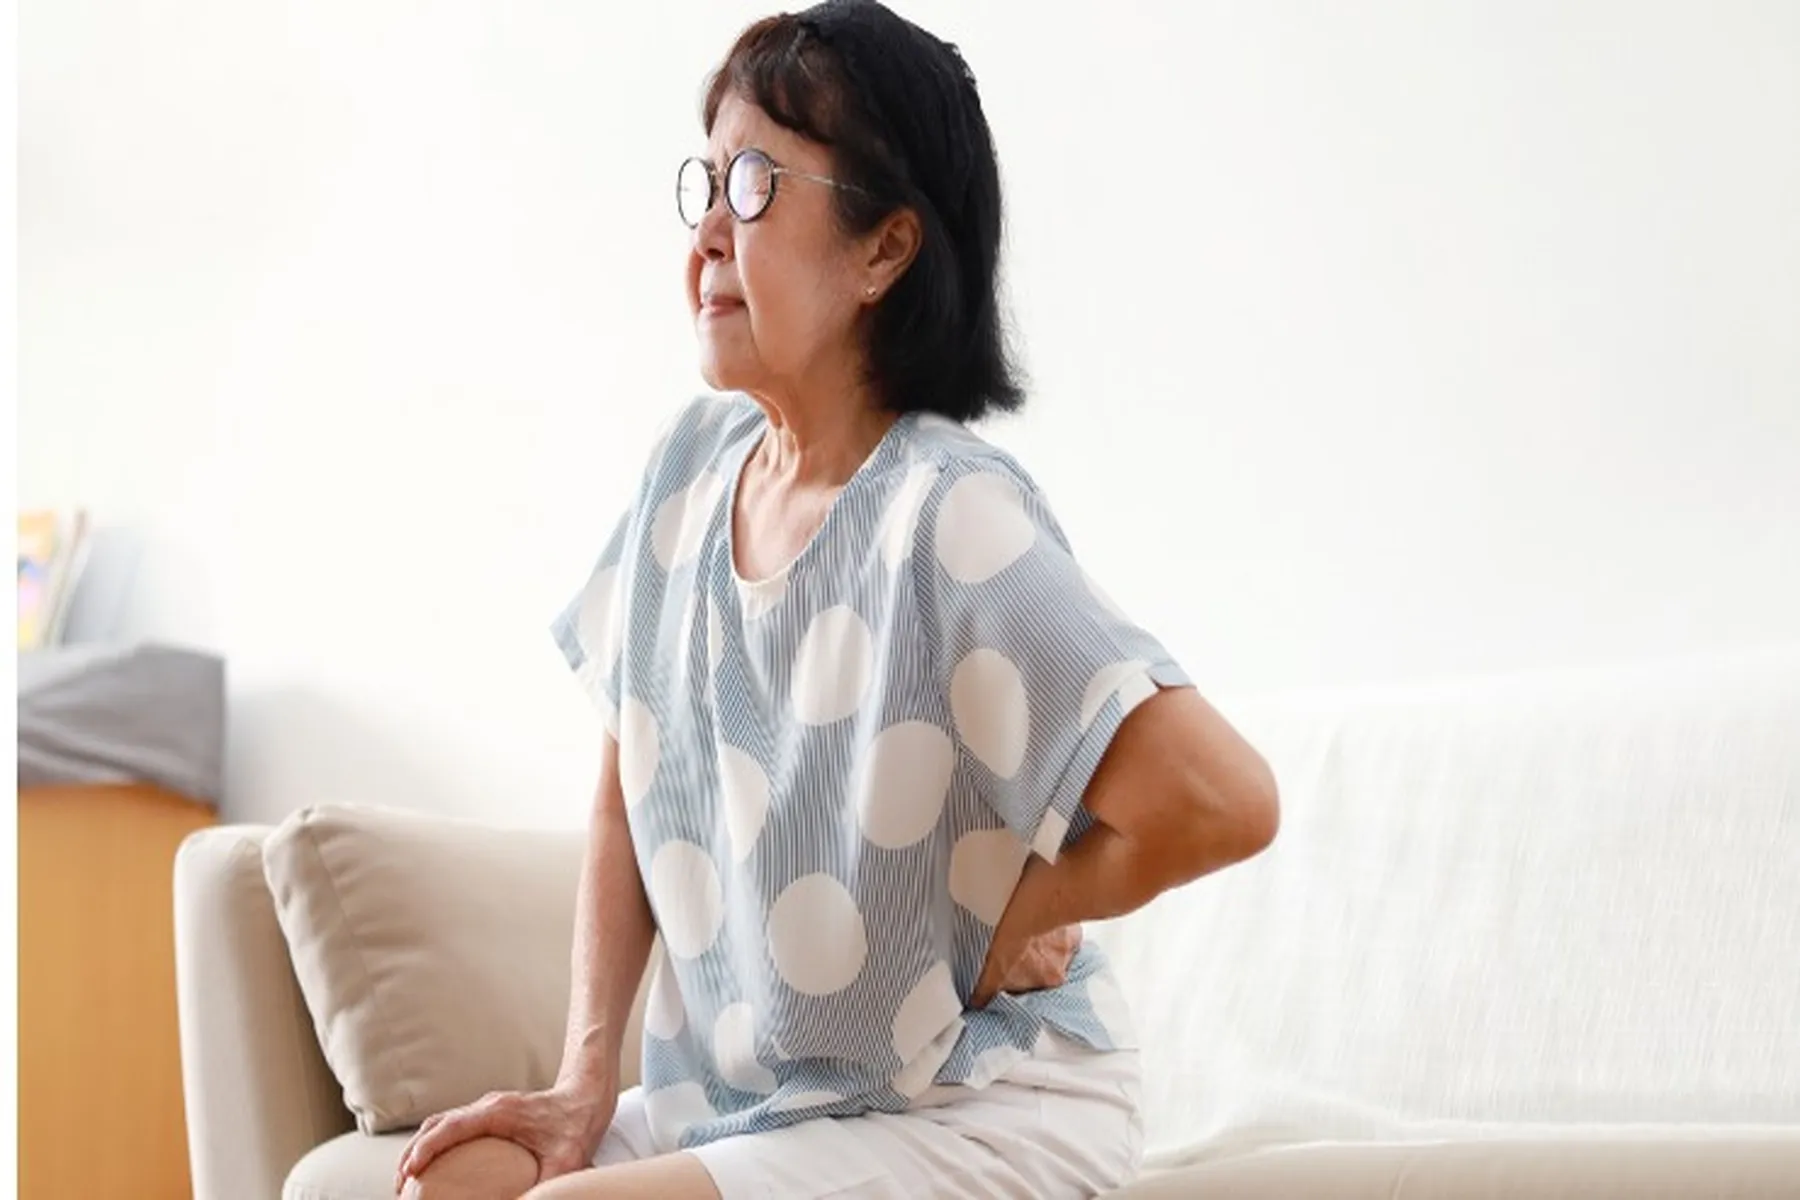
pixel 876 744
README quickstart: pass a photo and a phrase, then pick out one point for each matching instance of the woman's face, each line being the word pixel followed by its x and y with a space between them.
pixel 775 300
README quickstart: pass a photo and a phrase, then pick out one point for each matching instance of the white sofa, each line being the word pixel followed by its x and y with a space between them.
pixel 1527 936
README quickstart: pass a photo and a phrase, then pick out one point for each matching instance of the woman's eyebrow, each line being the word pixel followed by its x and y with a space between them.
pixel 731 152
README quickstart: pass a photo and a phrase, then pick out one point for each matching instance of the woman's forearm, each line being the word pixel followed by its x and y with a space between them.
pixel 1179 795
pixel 613 933
pixel 1099 877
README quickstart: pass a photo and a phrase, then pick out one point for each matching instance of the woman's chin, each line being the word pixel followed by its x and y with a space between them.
pixel 722 373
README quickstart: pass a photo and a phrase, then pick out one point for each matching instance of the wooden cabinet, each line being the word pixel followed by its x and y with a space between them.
pixel 100 1106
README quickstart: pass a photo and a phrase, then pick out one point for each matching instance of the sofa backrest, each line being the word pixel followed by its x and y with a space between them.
pixel 1561 898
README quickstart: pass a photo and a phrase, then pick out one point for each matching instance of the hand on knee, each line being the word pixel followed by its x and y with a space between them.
pixel 484 1169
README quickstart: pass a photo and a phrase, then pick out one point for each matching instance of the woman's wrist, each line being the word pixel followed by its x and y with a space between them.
pixel 586 1074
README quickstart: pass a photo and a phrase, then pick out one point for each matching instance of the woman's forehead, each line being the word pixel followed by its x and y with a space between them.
pixel 741 124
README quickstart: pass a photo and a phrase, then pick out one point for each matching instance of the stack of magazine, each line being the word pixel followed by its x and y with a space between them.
pixel 52 550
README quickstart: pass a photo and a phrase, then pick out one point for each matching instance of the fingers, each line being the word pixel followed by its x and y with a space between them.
pixel 400 1171
pixel 1044 964
pixel 448 1130
pixel 1041 962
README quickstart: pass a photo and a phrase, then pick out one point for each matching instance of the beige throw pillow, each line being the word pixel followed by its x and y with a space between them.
pixel 433 953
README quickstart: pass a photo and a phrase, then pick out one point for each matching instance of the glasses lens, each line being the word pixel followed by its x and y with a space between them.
pixel 693 191
pixel 749 185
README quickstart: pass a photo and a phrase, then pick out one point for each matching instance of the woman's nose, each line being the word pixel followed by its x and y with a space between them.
pixel 712 236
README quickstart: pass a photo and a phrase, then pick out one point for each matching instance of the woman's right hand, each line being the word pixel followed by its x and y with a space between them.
pixel 561 1127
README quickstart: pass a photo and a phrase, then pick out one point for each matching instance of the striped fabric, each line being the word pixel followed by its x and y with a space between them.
pixel 835 776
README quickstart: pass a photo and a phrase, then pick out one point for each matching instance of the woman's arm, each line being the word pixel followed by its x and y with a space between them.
pixel 1179 794
pixel 613 932
pixel 563 1125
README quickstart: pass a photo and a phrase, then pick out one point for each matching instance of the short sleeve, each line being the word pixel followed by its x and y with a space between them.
pixel 590 629
pixel 1039 667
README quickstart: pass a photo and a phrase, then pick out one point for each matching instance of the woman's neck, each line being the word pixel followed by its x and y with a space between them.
pixel 822 443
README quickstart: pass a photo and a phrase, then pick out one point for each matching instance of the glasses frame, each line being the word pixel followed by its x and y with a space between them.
pixel 714 186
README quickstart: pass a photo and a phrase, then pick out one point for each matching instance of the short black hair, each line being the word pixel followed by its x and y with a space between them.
pixel 898 110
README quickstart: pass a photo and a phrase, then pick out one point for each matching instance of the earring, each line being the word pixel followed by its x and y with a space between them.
pixel 872 290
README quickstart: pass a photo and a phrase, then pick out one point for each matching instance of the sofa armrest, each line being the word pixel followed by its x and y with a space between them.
pixel 257 1090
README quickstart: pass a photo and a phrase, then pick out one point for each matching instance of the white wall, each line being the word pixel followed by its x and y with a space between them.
pixel 1369 341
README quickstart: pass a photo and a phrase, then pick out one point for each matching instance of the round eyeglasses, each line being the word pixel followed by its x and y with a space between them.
pixel 750 179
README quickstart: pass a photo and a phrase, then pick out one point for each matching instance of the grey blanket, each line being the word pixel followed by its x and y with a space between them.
pixel 133 714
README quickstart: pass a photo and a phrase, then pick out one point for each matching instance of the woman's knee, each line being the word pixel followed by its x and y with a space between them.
pixel 484 1169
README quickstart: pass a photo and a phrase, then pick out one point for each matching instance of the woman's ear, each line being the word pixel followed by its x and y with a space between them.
pixel 892 247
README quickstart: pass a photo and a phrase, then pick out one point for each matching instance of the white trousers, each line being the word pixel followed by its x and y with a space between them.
pixel 1062 1123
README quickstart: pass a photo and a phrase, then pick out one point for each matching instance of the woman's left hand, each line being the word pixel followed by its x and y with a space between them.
pixel 1029 966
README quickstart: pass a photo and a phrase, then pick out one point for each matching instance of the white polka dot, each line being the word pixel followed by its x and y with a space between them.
pixel 593 680
pixel 816 936
pixel 690 904
pixel 915 1077
pixel 993 717
pixel 763 597
pixel 902 783
pixel 982 528
pixel 833 668
pixel 746 799
pixel 984 869
pixel 922 1068
pixel 1105 682
pixel 681 520
pixel 734 1049
pixel 1135 691
pixel 1048 840
pixel 602 618
pixel 664 1013
pixel 640 750
pixel 1109 1004
pixel 992 1063
pixel 928 1008
pixel 799 1100
pixel 672 1111
pixel 901 520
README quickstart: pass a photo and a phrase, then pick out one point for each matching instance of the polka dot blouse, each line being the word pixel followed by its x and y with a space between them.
pixel 834 776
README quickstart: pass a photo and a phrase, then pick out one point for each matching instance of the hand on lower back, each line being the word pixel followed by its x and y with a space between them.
pixel 561 1127
pixel 1040 962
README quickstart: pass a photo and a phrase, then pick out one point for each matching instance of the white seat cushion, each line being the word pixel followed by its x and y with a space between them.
pixel 1651 1164
pixel 355 1166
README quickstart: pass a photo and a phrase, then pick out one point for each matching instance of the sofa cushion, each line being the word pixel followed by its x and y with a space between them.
pixel 352 1167
pixel 1654 1163
pixel 433 953
pixel 1651 1163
